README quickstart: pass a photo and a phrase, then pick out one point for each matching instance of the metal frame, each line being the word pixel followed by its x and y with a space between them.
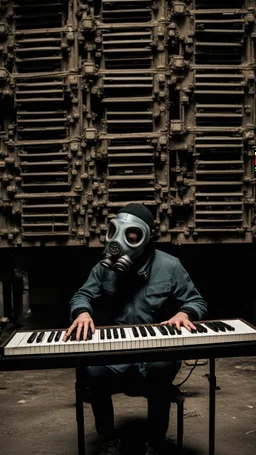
pixel 79 392
pixel 37 362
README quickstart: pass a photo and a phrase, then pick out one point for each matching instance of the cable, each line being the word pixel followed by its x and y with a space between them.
pixel 192 369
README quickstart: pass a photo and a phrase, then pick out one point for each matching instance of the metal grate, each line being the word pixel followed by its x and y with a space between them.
pixel 219 179
pixel 219 98
pixel 41 109
pixel 130 171
pixel 127 48
pixel 128 83
pixel 221 113
pixel 219 35
pixel 116 11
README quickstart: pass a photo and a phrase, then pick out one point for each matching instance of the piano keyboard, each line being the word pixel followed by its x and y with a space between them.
pixel 132 337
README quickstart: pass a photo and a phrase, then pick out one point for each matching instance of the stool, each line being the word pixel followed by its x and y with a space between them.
pixel 83 396
pixel 178 398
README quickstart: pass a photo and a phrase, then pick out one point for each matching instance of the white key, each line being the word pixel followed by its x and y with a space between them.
pixel 10 348
pixel 58 346
pixel 163 341
pixel 45 345
pixel 115 342
pixel 32 348
pixel 24 347
pixel 127 341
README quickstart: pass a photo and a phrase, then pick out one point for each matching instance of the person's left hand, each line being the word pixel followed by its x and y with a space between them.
pixel 180 319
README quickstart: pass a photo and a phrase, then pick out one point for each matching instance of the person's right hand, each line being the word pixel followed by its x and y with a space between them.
pixel 82 322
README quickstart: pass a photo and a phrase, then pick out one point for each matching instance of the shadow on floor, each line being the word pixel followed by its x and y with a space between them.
pixel 131 431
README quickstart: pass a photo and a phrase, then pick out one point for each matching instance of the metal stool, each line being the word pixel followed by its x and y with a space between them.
pixel 83 396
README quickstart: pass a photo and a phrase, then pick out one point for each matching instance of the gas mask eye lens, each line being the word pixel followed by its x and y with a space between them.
pixel 133 235
pixel 111 231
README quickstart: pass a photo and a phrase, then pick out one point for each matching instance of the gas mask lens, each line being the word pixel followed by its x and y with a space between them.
pixel 133 235
pixel 111 231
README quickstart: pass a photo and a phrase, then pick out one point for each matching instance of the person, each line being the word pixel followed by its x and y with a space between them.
pixel 137 284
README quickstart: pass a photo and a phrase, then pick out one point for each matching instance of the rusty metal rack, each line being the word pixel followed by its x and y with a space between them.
pixel 107 102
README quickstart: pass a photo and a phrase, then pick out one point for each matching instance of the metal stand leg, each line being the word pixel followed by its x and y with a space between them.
pixel 80 411
pixel 212 390
pixel 180 416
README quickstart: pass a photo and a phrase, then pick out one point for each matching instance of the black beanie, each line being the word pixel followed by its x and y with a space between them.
pixel 140 211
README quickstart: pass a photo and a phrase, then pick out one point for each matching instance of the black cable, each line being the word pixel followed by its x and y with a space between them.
pixel 192 369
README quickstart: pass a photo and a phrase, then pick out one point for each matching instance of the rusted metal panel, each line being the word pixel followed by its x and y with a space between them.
pixel 107 102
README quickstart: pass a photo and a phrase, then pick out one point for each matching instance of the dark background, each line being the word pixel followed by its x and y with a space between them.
pixel 223 273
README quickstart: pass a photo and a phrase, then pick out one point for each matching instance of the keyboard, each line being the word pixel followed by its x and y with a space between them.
pixel 118 338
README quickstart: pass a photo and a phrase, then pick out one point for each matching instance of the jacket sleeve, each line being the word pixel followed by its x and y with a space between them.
pixel 91 289
pixel 186 295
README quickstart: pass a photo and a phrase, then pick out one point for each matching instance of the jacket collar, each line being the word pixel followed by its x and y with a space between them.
pixel 145 269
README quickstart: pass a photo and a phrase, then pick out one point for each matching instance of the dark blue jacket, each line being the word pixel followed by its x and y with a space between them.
pixel 156 292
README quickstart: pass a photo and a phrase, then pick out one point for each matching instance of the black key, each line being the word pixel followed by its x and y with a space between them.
pixel 220 326
pixel 102 334
pixel 40 337
pixel 122 331
pixel 50 337
pixel 178 331
pixel 73 336
pixel 109 334
pixel 162 329
pixel 32 337
pixel 200 328
pixel 143 331
pixel 89 334
pixel 151 330
pixel 58 335
pixel 115 333
pixel 193 330
pixel 228 327
pixel 135 332
pixel 211 326
pixel 170 329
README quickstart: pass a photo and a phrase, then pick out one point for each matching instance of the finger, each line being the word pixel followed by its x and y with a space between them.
pixel 177 323
pixel 69 331
pixel 189 325
pixel 192 325
pixel 85 331
pixel 78 332
pixel 170 322
pixel 92 326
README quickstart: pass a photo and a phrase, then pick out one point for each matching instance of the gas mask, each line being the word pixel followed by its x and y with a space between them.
pixel 126 239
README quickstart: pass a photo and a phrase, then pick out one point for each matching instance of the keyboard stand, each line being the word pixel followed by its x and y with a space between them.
pixel 212 392
pixel 79 360
pixel 79 387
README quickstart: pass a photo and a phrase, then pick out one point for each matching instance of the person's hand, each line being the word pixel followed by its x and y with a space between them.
pixel 82 322
pixel 180 319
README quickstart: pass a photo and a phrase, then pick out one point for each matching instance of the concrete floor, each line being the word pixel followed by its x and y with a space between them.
pixel 37 411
